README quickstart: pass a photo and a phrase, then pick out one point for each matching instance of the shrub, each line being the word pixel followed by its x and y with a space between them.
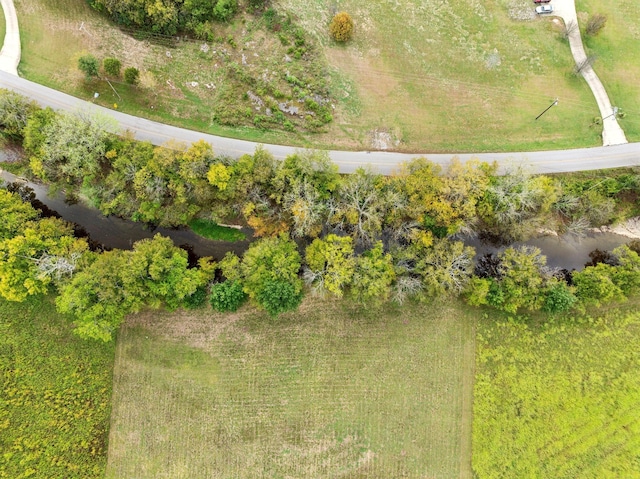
pixel 112 66
pixel 132 75
pixel 225 10
pixel 197 299
pixel 89 65
pixel 279 296
pixel 227 296
pixel 596 22
pixel 341 27
pixel 558 298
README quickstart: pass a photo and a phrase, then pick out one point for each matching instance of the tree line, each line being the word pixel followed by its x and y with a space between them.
pixel 364 236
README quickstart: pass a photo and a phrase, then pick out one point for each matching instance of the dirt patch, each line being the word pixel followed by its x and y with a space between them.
pixel 382 139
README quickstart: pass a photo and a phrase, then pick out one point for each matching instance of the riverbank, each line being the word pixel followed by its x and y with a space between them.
pixel 629 228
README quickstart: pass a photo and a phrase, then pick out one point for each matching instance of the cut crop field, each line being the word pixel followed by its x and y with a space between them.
pixel 558 400
pixel 418 76
pixel 55 393
pixel 331 391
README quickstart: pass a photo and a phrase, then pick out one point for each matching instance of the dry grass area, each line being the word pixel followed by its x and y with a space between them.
pixel 453 75
pixel 331 391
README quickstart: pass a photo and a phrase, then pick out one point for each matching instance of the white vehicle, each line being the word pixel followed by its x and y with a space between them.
pixel 544 9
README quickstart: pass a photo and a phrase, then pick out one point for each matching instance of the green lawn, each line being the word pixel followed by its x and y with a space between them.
pixel 560 399
pixel 55 393
pixel 617 51
pixel 330 391
pixel 466 76
pixel 211 230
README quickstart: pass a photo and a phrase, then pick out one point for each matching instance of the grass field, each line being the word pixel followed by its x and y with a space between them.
pixel 558 400
pixel 55 392
pixel 459 77
pixel 327 392
pixel 617 51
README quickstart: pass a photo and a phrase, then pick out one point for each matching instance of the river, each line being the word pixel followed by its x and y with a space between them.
pixel 567 251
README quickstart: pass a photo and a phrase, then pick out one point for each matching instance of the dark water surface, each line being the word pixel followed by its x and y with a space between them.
pixel 115 232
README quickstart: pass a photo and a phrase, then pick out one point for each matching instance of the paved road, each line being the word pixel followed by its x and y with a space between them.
pixel 612 134
pixel 384 162
pixel 347 161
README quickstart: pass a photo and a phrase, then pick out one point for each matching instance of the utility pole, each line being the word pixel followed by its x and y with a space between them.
pixel 555 102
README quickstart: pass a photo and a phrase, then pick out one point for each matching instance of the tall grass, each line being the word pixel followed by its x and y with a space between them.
pixel 55 393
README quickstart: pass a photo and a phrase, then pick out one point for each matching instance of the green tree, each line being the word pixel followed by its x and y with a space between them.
pixel 42 253
pixel 362 202
pixel 445 267
pixel 341 27
pixel 302 185
pixel 227 296
pixel 89 65
pixel 443 202
pixel 172 184
pixel 627 273
pixel 119 282
pixel 15 111
pixel 516 204
pixel 270 259
pixel 162 274
pixel 16 214
pixel 112 66
pixel 100 296
pixel 71 148
pixel 330 264
pixel 595 285
pixel 522 282
pixel 373 275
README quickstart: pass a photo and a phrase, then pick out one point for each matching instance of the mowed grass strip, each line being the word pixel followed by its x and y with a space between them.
pixel 55 392
pixel 331 391
pixel 558 400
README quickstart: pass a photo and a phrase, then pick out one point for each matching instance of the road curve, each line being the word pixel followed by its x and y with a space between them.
pixel 347 161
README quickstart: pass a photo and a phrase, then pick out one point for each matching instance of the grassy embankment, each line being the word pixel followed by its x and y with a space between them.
pixel 329 391
pixel 55 395
pixel 617 51
pixel 558 399
pixel 468 77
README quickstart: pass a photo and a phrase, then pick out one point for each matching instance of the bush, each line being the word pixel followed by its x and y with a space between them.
pixel 197 299
pixel 132 75
pixel 89 65
pixel 112 66
pixel 225 10
pixel 227 296
pixel 558 299
pixel 278 297
pixel 341 27
pixel 596 22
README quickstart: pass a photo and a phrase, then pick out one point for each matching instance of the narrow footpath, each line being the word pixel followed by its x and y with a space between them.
pixel 11 48
pixel 612 134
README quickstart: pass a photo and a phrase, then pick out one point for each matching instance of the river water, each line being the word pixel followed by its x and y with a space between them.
pixel 113 232
pixel 567 252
